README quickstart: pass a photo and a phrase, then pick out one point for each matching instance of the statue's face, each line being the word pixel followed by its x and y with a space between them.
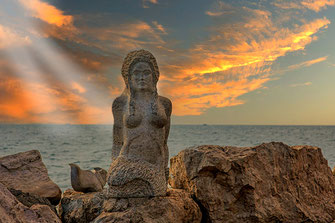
pixel 141 77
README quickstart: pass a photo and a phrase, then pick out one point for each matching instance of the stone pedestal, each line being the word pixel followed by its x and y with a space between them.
pixel 176 207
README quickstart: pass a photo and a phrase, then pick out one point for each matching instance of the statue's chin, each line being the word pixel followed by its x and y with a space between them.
pixel 144 89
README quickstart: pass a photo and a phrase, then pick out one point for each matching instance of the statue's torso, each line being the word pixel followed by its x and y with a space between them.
pixel 144 134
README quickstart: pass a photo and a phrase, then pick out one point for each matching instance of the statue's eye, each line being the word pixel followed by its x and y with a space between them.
pixel 146 73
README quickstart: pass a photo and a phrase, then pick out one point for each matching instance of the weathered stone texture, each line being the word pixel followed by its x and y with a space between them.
pixel 176 207
pixel 26 172
pixel 271 182
pixel 141 127
pixel 78 207
pixel 11 210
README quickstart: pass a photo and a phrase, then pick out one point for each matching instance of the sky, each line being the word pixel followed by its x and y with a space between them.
pixel 238 62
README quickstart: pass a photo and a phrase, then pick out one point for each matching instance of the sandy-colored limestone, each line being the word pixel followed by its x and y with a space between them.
pixel 271 182
pixel 26 172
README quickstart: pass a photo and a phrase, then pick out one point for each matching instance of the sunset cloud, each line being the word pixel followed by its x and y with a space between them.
pixel 159 27
pixel 47 13
pixel 301 84
pixel 214 13
pixel 317 5
pixel 218 72
pixel 307 63
pixel 122 38
pixel 68 62
pixel 76 86
pixel 36 103
pixel 145 3
pixel 314 5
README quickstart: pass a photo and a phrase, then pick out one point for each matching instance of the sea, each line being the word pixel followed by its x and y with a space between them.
pixel 90 146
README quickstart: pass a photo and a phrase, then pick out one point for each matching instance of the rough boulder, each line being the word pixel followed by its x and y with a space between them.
pixel 272 182
pixel 11 210
pixel 26 172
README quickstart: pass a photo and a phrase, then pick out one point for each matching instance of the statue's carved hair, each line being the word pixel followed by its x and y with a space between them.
pixel 130 60
pixel 139 56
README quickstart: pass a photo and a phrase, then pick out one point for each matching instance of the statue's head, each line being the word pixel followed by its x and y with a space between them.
pixel 140 70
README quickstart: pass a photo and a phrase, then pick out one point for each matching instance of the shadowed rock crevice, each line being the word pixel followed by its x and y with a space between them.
pixel 30 199
pixel 205 215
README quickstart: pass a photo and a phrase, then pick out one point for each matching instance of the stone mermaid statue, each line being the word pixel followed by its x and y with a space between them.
pixel 140 154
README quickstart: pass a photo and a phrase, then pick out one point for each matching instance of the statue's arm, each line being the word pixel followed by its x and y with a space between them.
pixel 168 110
pixel 117 109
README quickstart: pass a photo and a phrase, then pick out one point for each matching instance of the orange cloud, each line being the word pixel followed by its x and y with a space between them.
pixel 122 38
pixel 236 59
pixel 194 98
pixel 301 85
pixel 47 13
pixel 23 102
pixel 207 59
pixel 159 27
pixel 144 3
pixel 307 63
pixel 217 73
pixel 76 86
pixel 317 5
pixel 214 13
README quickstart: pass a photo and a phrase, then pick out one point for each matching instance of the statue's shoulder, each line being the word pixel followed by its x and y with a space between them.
pixel 119 103
pixel 166 103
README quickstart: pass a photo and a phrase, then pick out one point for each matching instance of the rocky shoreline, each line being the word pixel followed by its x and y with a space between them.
pixel 272 182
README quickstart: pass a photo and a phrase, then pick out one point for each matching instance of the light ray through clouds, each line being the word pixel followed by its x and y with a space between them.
pixel 50 96
pixel 63 68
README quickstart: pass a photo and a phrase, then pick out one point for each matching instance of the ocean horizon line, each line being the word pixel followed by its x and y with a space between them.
pixel 203 124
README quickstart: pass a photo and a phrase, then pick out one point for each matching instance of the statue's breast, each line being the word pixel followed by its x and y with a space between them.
pixel 158 120
pixel 133 121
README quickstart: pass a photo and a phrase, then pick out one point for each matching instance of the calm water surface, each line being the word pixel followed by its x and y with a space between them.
pixel 90 145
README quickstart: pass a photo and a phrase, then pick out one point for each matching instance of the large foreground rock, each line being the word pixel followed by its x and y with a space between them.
pixel 11 210
pixel 26 172
pixel 176 207
pixel 272 182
